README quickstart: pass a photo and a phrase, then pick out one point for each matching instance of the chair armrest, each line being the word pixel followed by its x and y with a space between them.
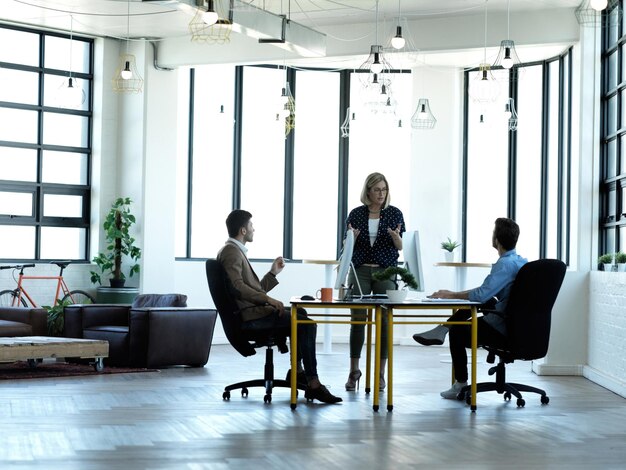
pixel 37 318
pixel 81 317
pixel 167 336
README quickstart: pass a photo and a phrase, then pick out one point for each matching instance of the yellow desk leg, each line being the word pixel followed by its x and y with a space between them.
pixel 377 315
pixel 293 342
pixel 474 350
pixel 368 351
pixel 389 359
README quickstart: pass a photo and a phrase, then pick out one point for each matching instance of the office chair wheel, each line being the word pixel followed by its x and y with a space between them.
pixel 507 396
pixel 244 392
pixel 545 400
pixel 226 396
pixel 468 398
pixel 521 402
pixel 267 398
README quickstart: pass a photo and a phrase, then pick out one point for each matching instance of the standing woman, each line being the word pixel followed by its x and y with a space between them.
pixel 378 229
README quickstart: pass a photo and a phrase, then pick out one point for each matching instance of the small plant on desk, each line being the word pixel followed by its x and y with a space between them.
pixel 392 271
pixel 450 245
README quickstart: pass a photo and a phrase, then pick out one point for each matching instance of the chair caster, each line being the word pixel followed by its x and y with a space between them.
pixel 267 398
pixel 226 396
pixel 507 396
pixel 545 400
pixel 244 392
pixel 521 402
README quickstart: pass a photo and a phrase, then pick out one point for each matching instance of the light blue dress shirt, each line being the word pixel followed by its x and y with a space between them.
pixel 498 284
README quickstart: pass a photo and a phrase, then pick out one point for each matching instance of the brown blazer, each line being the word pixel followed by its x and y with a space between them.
pixel 250 293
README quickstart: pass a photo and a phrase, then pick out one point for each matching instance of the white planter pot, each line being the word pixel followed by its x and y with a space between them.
pixel 607 267
pixel 621 267
pixel 449 256
pixel 396 295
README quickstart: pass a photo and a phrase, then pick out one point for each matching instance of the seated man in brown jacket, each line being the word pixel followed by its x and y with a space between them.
pixel 260 311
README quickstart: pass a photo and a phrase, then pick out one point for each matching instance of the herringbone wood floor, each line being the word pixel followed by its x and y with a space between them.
pixel 176 419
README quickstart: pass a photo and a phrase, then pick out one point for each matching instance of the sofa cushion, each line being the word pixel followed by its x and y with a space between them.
pixel 160 300
pixel 13 328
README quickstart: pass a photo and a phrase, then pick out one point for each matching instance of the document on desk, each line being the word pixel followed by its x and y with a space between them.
pixel 452 301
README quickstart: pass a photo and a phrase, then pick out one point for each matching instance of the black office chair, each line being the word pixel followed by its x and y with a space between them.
pixel 244 341
pixel 528 316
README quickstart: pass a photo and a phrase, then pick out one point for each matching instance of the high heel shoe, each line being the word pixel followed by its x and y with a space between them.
pixel 353 380
pixel 382 384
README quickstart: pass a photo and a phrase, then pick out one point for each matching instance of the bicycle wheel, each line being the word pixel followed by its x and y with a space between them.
pixel 8 298
pixel 78 297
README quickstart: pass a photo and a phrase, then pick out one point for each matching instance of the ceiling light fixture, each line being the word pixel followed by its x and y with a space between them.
pixel 423 117
pixel 593 13
pixel 217 32
pixel 376 65
pixel 127 78
pixel 511 114
pixel 71 95
pixel 345 126
pixel 484 88
pixel 398 41
pixel 507 56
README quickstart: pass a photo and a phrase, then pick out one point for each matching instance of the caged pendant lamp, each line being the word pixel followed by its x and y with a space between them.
pixel 127 78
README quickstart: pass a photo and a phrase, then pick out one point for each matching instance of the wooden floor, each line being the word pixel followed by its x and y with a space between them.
pixel 176 419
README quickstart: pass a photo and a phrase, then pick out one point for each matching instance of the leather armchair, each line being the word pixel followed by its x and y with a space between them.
pixel 20 321
pixel 146 336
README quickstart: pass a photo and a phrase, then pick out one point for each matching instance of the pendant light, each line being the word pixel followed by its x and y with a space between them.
pixel 423 117
pixel 71 94
pixel 375 67
pixel 511 114
pixel 127 78
pixel 217 32
pixel 594 13
pixel 507 56
pixel 398 41
pixel 484 88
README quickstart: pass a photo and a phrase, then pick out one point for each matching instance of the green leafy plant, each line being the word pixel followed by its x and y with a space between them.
pixel 392 271
pixel 606 258
pixel 120 243
pixel 450 245
pixel 620 258
pixel 56 316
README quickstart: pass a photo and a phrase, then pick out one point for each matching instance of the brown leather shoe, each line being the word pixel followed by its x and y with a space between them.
pixel 322 394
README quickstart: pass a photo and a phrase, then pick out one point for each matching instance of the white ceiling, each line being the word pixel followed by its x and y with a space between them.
pixel 170 18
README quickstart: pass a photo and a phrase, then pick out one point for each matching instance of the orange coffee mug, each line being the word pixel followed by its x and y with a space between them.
pixel 325 294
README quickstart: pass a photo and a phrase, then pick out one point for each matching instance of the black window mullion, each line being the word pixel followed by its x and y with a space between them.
pixel 465 162
pixel 545 136
pixel 190 147
pixel 289 176
pixel 512 192
pixel 343 160
pixel 237 136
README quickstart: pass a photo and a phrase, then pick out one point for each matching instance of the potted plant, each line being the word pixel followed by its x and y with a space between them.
pixel 606 260
pixel 56 316
pixel 120 243
pixel 620 259
pixel 449 246
pixel 396 295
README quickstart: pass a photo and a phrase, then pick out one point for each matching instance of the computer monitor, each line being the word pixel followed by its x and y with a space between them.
pixel 345 260
pixel 413 257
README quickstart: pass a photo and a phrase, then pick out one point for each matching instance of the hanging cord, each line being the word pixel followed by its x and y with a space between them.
pixel 127 24
pixel 71 42
pixel 508 19
pixel 485 49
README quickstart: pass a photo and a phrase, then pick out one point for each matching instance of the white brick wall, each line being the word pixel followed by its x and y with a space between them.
pixel 42 291
pixel 607 331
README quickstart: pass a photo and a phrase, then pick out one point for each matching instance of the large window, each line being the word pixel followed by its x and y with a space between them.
pixel 525 173
pixel 296 184
pixel 45 141
pixel 613 134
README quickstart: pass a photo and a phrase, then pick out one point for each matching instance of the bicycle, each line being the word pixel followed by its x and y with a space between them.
pixel 17 297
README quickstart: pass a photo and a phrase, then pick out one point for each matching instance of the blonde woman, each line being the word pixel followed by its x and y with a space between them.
pixel 378 229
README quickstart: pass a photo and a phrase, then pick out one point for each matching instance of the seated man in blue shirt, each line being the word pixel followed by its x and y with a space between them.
pixel 495 289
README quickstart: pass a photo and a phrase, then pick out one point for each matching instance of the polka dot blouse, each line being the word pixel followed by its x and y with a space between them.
pixel 383 252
